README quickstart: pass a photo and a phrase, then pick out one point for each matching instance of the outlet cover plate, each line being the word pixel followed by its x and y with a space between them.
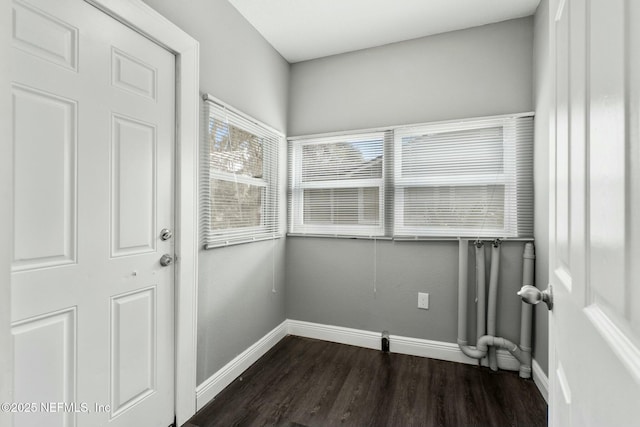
pixel 423 300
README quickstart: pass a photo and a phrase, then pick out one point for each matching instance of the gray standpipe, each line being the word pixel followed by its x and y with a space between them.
pixel 523 352
pixel 492 306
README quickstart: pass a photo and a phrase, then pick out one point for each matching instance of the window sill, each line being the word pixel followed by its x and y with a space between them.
pixel 225 244
pixel 410 238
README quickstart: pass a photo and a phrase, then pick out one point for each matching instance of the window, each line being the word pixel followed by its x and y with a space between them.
pixel 239 175
pixel 336 185
pixel 471 179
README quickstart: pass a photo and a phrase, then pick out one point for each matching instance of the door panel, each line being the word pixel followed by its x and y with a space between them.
pixel 129 73
pixel 45 179
pixel 48 344
pixel 607 186
pixel 45 36
pixel 133 348
pixel 133 187
pixel 595 342
pixel 92 308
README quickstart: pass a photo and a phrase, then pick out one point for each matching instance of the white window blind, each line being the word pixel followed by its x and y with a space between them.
pixel 239 174
pixel 336 185
pixel 470 179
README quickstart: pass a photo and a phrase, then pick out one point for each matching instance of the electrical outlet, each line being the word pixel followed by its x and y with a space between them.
pixel 423 300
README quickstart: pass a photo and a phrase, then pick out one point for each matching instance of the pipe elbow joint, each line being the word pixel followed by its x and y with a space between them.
pixel 485 342
pixel 474 353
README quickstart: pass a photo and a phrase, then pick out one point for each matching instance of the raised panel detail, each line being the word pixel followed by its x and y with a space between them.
pixel 564 278
pixel 619 337
pixel 133 348
pixel 562 192
pixel 44 36
pixel 44 142
pixel 133 187
pixel 133 75
pixel 45 366
pixel 562 388
pixel 610 151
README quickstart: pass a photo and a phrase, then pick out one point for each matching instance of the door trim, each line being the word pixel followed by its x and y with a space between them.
pixel 6 212
pixel 145 20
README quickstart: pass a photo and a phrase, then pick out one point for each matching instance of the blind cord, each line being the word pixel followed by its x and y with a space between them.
pixel 273 264
pixel 375 266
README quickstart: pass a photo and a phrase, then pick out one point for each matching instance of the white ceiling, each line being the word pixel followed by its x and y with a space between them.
pixel 307 29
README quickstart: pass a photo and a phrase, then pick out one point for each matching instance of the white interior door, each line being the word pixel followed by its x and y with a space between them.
pixel 595 214
pixel 92 307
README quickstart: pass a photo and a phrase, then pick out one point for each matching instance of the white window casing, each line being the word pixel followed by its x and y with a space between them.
pixel 465 179
pixel 336 185
pixel 238 178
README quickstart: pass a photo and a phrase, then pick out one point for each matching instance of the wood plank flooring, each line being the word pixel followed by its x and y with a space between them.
pixel 306 382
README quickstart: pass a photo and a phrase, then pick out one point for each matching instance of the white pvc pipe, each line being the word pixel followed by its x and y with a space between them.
pixel 481 292
pixel 523 352
pixel 526 318
pixel 492 305
pixel 488 341
pixel 463 263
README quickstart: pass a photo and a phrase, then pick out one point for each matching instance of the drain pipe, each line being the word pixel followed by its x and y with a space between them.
pixel 493 301
pixel 523 357
pixel 481 292
pixel 463 263
pixel 527 310
pixel 522 353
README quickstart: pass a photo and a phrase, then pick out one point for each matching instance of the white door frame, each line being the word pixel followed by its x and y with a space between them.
pixel 145 20
pixel 6 211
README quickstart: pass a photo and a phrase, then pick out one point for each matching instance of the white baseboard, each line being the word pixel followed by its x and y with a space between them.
pixel 398 344
pixel 213 385
pixel 339 334
pixel 541 380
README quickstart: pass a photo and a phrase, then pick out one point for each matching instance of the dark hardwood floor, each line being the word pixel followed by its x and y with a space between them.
pixel 306 382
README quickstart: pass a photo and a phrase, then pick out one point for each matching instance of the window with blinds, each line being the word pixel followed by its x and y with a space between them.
pixel 239 175
pixel 336 185
pixel 470 179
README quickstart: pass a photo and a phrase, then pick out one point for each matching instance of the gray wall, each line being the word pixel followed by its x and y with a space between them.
pixel 331 281
pixel 236 305
pixel 476 72
pixel 543 92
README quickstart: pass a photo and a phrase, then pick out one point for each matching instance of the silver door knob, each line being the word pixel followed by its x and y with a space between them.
pixel 532 295
pixel 165 234
pixel 166 260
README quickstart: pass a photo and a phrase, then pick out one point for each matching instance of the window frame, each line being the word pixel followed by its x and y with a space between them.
pixel 271 140
pixel 507 178
pixel 297 187
pixel 518 191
